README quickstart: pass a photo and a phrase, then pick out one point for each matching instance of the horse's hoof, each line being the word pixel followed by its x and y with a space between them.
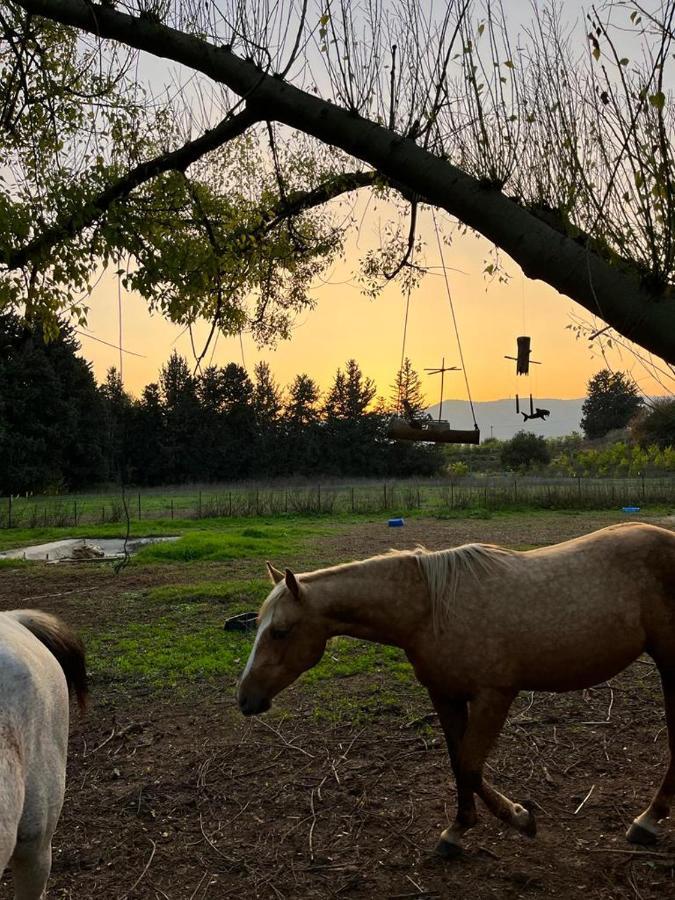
pixel 447 850
pixel 636 834
pixel 530 828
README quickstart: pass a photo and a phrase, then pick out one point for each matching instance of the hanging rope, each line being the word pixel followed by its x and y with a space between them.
pixel 119 318
pixel 241 347
pixel 454 320
pixel 405 335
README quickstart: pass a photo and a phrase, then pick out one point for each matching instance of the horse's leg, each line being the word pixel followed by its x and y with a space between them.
pixel 487 714
pixel 453 714
pixel 645 829
pixel 31 865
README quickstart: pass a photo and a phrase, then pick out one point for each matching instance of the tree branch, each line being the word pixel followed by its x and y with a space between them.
pixel 613 291
pixel 177 160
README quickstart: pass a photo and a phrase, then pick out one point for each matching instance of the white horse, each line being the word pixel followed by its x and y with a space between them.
pixel 41 661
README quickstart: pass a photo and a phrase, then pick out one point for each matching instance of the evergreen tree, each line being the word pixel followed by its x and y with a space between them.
pixel 148 453
pixel 268 407
pixel 267 396
pixel 51 416
pixel 118 407
pixel 182 416
pixel 406 391
pixel 302 428
pixel 351 431
pixel 303 399
pixel 350 394
pixel 612 401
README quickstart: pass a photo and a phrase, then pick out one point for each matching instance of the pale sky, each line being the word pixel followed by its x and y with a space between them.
pixel 347 324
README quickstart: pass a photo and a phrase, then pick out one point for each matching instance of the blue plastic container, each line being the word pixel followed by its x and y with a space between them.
pixel 631 509
pixel 396 523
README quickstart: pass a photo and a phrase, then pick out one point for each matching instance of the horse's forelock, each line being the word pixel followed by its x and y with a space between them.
pixel 271 598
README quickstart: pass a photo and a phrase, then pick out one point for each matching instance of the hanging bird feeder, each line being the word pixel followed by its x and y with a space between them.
pixel 412 427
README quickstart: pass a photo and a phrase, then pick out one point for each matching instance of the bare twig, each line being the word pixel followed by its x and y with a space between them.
pixel 581 805
pixel 142 875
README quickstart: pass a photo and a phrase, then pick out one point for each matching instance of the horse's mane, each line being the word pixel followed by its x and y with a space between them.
pixel 444 569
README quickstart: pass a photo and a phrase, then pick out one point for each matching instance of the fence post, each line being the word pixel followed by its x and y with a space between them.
pixel 352 493
pixel 515 490
pixel 103 515
pixel 172 509
pixel 75 511
pixel 230 503
pixel 9 511
pixel 385 494
pixel 199 506
pixel 285 501
pixel 318 495
pixel 257 501
pixel 139 506
pixel 642 475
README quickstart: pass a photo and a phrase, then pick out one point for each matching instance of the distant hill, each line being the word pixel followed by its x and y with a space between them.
pixel 501 414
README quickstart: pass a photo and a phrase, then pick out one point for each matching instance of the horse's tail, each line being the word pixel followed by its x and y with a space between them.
pixel 63 643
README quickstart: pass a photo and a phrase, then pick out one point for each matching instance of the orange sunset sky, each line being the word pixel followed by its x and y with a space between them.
pixel 347 324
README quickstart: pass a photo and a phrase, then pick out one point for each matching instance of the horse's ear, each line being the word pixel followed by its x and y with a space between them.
pixel 274 574
pixel 292 584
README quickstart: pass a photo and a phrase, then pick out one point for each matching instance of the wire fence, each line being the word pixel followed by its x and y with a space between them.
pixel 435 497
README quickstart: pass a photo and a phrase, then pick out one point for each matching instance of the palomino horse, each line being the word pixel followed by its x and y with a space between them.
pixel 41 661
pixel 480 623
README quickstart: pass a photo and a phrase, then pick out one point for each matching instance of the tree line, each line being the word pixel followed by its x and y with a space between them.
pixel 60 430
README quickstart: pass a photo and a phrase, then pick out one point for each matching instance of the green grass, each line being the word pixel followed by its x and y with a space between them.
pixel 173 636
pixel 226 593
pixel 268 540
pixel 269 537
pixel 14 563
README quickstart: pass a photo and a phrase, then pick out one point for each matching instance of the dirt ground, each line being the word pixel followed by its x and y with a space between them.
pixel 177 796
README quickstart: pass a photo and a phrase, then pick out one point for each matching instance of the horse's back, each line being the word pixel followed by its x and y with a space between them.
pixel 33 735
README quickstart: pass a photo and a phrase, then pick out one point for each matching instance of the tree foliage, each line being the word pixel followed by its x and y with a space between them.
pixel 53 430
pixel 59 431
pixel 524 451
pixel 558 152
pixel 655 424
pixel 612 401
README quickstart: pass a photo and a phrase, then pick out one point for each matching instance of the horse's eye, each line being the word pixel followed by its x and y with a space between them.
pixel 279 634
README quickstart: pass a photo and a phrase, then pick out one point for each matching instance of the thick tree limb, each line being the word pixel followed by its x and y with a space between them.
pixel 613 292
pixel 176 160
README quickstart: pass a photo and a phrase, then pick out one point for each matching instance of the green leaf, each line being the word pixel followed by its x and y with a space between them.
pixel 509 64
pixel 658 100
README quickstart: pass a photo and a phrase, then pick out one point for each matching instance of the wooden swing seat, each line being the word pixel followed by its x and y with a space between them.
pixel 430 430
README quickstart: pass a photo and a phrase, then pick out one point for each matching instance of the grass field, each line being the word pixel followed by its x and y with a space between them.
pixel 341 789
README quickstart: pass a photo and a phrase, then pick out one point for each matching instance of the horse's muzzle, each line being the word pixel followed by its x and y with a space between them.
pixel 253 706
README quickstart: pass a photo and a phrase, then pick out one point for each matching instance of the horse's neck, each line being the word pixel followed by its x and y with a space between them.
pixel 383 599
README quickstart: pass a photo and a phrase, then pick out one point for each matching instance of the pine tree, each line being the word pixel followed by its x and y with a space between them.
pixel 407 391
pixel 303 400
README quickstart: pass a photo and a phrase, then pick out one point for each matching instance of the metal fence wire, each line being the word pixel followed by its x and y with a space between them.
pixel 489 493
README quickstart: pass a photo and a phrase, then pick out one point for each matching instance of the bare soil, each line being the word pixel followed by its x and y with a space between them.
pixel 177 796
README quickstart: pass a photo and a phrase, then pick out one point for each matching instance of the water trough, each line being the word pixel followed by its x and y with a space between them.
pixel 82 549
